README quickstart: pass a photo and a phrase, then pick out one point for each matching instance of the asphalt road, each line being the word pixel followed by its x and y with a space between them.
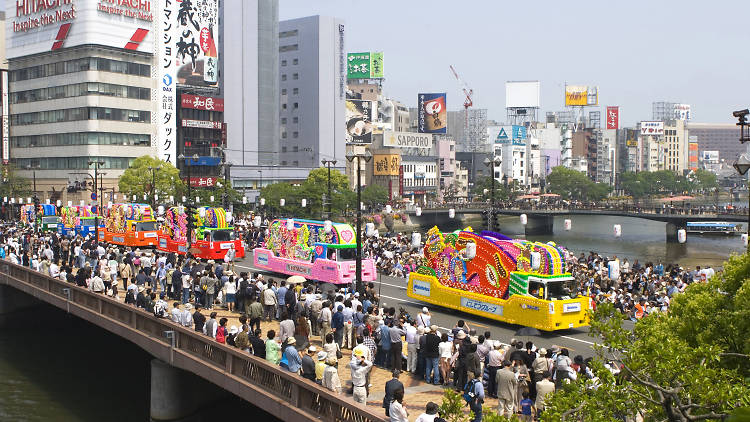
pixel 393 293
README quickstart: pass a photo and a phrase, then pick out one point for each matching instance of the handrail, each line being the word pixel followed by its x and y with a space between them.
pixel 287 396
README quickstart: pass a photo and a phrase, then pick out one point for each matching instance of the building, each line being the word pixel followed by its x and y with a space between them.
pixel 82 89
pixel 201 131
pixel 470 134
pixel 606 157
pixel 721 137
pixel 665 110
pixel 676 141
pixel 365 88
pixel 393 115
pixel 446 152
pixel 550 144
pixel 420 178
pixel 312 103
pixel 462 183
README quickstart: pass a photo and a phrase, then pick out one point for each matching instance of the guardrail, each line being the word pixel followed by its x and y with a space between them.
pixel 285 395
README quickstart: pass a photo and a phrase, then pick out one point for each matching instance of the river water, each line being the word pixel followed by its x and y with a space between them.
pixel 55 367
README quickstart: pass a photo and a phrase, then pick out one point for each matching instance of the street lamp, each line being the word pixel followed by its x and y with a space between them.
pixel 328 164
pixel 38 221
pixel 367 156
pixel 153 184
pixel 96 164
pixel 189 199
pixel 492 164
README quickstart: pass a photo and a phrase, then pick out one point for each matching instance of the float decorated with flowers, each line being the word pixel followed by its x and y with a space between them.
pixel 317 250
pixel 129 225
pixel 212 237
pixel 77 220
pixel 494 276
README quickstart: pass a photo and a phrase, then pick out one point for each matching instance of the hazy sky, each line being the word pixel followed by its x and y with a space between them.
pixel 695 52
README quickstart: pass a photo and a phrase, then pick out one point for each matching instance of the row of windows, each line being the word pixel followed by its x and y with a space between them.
pixel 295 163
pixel 81 138
pixel 295 76
pixel 81 89
pixel 80 113
pixel 206 115
pixel 295 135
pixel 80 65
pixel 419 182
pixel 294 149
pixel 291 47
pixel 294 62
pixel 294 106
pixel 408 168
pixel 73 163
pixel 291 33
pixel 294 120
pixel 295 91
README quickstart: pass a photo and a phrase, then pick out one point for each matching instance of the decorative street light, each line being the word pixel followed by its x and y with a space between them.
pixel 492 164
pixel 367 156
pixel 742 164
pixel 96 164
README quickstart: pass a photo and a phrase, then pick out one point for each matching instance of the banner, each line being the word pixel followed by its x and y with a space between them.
pixel 166 138
pixel 199 102
pixel 433 113
pixel 386 164
pixel 652 128
pixel 203 182
pixel 367 65
pixel 203 124
pixel 197 54
pixel 359 122
pixel 6 116
pixel 406 139
pixel 613 117
pixel 581 95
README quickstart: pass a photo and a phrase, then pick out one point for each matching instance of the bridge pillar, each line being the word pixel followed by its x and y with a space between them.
pixel 672 229
pixel 179 396
pixel 14 302
pixel 539 224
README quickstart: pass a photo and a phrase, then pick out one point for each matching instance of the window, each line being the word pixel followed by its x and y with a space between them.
pixel 295 61
pixel 296 105
pixel 80 89
pixel 283 135
pixel 73 163
pixel 295 148
pixel 283 106
pixel 295 119
pixel 283 149
pixel 283 91
pixel 80 138
pixel 80 65
pixel 283 77
pixel 295 134
pixel 295 76
pixel 287 34
pixel 295 163
pixel 292 47
pixel 80 113
pixel 283 163
pixel 283 62
pixel 295 91
pixel 283 120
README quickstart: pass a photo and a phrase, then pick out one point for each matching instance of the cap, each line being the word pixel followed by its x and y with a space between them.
pixel 322 355
pixel 233 329
pixel 359 353
pixel 312 349
pixel 424 310
pixel 542 352
pixel 291 340
pixel 434 328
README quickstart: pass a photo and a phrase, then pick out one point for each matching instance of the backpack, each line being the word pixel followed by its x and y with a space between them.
pixel 221 334
pixel 290 297
pixel 137 261
pixel 469 391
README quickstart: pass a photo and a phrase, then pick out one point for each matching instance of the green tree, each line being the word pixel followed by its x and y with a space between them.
pixel 14 186
pixel 312 190
pixel 482 190
pixel 374 194
pixel 633 185
pixel 690 364
pixel 705 180
pixel 137 179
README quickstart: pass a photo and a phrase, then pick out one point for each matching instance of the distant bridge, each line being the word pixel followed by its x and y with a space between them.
pixel 541 221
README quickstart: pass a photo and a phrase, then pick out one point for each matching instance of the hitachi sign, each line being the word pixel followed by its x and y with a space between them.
pixel 27 7
pixel 143 5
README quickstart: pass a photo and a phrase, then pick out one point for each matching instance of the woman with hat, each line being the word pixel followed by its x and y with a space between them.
pixel 331 379
pixel 291 356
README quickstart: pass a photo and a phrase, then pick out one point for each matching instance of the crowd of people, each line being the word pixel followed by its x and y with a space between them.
pixel 315 326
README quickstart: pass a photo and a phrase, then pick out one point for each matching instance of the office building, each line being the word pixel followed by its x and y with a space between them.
pixel 470 133
pixel 721 137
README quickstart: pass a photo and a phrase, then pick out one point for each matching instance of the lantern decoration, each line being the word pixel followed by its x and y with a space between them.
pixel 416 240
pixel 681 235
pixel 524 219
pixel 262 201
pixel 210 198
pixel 289 223
pixel 256 221
pixel 471 250
pixel 370 229
pixel 197 199
pixel 5 199
pixel 109 204
pixel 83 203
pixel 244 200
pixel 70 203
pixel 134 198
pixel 12 200
pixel 145 196
pixel 184 199
pixel 160 209
pixel 304 202
pixel 362 206
pixel 59 202
pixel 568 224
pixel 327 226
pixel 536 260
pixel 744 239
pixel 46 201
pixel 228 216
pixel 617 230
pixel 28 200
pixel 115 196
pixel 156 197
pixel 171 198
pixel 452 213
pixel 419 211
pixel 388 209
pixel 282 201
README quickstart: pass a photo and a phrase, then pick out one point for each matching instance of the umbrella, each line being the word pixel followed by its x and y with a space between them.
pixel 527 332
pixel 327 287
pixel 296 279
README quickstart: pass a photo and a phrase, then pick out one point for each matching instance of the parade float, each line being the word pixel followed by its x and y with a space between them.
pixel 77 221
pixel 493 276
pixel 129 225
pixel 212 237
pixel 44 215
pixel 316 250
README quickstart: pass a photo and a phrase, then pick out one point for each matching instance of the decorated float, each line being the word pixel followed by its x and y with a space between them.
pixel 316 250
pixel 494 276
pixel 46 217
pixel 77 221
pixel 211 239
pixel 129 225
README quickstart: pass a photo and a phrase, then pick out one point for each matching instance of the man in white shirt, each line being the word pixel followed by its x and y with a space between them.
pixel 54 270
pixel 424 318
pixel 430 413
pixel 411 347
pixel 176 313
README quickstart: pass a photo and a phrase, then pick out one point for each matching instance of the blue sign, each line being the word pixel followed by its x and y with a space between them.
pixel 203 161
pixel 519 133
pixel 502 136
pixel 93 196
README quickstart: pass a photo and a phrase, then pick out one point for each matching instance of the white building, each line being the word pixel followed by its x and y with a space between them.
pixel 606 157
pixel 313 91
pixel 420 178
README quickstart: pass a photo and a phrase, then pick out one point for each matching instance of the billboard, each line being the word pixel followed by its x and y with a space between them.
pixel 359 114
pixel 682 111
pixel 202 182
pixel 201 124
pixel 166 57
pixel 632 143
pixel 406 139
pixel 195 41
pixel 38 26
pixel 652 128
pixel 522 94
pixel 386 164
pixel 514 134
pixel 710 156
pixel 433 113
pixel 199 102
pixel 6 116
pixel 367 65
pixel 581 95
pixel 613 117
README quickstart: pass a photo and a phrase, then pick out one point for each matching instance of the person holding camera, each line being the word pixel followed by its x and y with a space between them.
pixel 360 367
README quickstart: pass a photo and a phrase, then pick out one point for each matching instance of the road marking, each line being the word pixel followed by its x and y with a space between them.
pixel 403 300
pixel 577 339
pixel 393 285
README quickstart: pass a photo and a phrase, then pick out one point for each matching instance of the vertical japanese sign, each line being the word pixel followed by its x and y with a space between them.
pixel 6 116
pixel 433 114
pixel 197 52
pixel 613 117
pixel 167 91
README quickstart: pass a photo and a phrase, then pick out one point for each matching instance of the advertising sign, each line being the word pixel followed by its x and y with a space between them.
pixel 367 65
pixel 38 26
pixel 406 139
pixel 5 116
pixel 433 113
pixel 199 102
pixel 581 95
pixel 522 94
pixel 682 111
pixel 386 164
pixel 166 138
pixel 195 42
pixel 710 156
pixel 515 134
pixel 613 117
pixel 359 126
pixel 202 124
pixel 631 143
pixel 652 128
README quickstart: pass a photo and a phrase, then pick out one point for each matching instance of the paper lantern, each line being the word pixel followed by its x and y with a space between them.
pixel 388 209
pixel 28 200
pixel 568 224
pixel 184 199
pixel 370 229
pixel 451 213
pixel 109 204
pixel 156 197
pixel 681 235
pixel 197 199
pixel 115 195
pixel 171 198
pixel 744 239
pixel 617 230
pixel 282 201
pixel 5 199
pixel 160 209
pixel 70 203
pixel 327 226
pixel 524 219
pixel 289 223
pixel 362 206
pixel 229 216
pixel 134 198
pixel 244 200
pixel 211 198
pixel 471 250
pixel 262 201
pixel 304 202
pixel 145 196
pixel 59 202
pixel 12 200
pixel 46 201
pixel 83 203
pixel 419 211
pixel 202 212
pixel 20 200
pixel 536 260
pixel 416 240
pixel 256 221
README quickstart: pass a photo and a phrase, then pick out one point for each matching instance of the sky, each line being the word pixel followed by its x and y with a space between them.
pixel 637 52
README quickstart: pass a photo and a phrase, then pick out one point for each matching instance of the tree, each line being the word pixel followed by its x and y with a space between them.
pixel 690 364
pixel 705 180
pixel 14 186
pixel 485 184
pixel 573 184
pixel 312 189
pixel 632 185
pixel 373 195
pixel 137 179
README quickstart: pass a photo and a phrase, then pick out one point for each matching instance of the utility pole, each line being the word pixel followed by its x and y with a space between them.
pixel 99 209
pixel 328 164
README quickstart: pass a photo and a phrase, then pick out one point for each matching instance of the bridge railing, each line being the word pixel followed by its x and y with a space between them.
pixel 633 209
pixel 288 396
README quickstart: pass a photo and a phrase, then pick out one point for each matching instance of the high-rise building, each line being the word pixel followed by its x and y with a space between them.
pixel 470 134
pixel 82 88
pixel 312 101
pixel 676 142
pixel 721 137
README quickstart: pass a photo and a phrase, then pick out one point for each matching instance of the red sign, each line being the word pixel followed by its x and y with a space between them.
pixel 401 181
pixel 199 102
pixel 613 117
pixel 204 124
pixel 203 182
pixel 224 134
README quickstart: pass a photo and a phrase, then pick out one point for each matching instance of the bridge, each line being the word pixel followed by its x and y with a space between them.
pixel 540 221
pixel 181 354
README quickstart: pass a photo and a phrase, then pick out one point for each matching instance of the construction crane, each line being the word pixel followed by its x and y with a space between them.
pixel 468 92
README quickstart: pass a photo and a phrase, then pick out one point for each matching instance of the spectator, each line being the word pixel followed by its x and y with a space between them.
pixel 359 367
pixel 308 363
pixel 331 379
pixel 391 387
pixel 397 410
pixel 272 348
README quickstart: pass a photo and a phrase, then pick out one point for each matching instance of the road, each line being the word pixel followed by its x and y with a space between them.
pixel 393 293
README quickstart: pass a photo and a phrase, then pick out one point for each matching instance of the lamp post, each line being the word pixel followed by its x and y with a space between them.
pixel 189 201
pixel 96 164
pixel 367 156
pixel 492 164
pixel 38 220
pixel 227 177
pixel 328 164
pixel 153 184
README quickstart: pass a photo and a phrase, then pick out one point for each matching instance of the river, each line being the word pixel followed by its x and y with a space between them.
pixel 55 367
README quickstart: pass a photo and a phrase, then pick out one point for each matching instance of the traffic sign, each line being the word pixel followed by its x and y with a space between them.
pixel 93 196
